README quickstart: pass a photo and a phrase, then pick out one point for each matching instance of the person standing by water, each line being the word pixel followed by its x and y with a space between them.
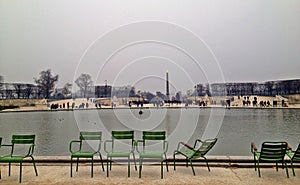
pixel 228 103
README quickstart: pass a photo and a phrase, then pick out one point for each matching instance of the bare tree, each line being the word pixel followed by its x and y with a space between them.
pixel 19 89
pixel 66 90
pixel 2 86
pixel 28 91
pixel 46 83
pixel 8 91
pixel 83 82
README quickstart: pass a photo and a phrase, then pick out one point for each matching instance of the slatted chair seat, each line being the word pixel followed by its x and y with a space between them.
pixel 83 154
pixel 151 155
pixel 195 152
pixel 271 152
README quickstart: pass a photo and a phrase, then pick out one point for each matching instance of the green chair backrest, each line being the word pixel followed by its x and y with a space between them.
pixel 154 141
pixel 22 145
pixel 154 135
pixel 205 147
pixel 23 139
pixel 123 134
pixel 273 151
pixel 90 138
pixel 122 140
pixel 296 156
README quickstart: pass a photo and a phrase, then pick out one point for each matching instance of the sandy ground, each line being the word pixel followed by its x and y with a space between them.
pixel 60 174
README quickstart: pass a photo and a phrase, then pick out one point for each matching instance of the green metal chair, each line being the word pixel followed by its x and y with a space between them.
pixel 153 138
pixel 271 152
pixel 294 156
pixel 22 146
pixel 199 150
pixel 84 150
pixel 121 145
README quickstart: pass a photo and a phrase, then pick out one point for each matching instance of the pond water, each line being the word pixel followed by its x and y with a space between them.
pixel 234 128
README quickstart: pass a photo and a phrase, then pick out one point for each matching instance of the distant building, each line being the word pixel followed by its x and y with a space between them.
pixel 102 91
pixel 123 91
pixel 269 88
pixel 19 91
pixel 160 95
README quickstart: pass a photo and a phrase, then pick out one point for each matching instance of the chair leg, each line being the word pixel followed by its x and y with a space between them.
pixel 20 172
pixel 92 170
pixel 192 167
pixel 134 161
pixel 128 166
pixel 187 165
pixel 292 166
pixel 33 161
pixel 258 168
pixel 207 163
pixel 110 163
pixel 107 170
pixel 161 169
pixel 101 161
pixel 166 163
pixel 77 164
pixel 140 168
pixel 286 168
pixel 71 167
pixel 174 161
pixel 276 166
pixel 9 166
pixel 254 162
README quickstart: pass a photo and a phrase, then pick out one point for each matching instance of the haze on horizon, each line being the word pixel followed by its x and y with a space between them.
pixel 251 40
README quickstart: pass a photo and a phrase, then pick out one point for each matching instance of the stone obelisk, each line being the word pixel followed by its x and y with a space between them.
pixel 167 86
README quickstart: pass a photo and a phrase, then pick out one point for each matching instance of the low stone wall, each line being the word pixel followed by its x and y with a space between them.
pixel 22 102
pixel 293 99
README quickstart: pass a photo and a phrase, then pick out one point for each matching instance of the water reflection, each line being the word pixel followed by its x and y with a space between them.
pixel 54 130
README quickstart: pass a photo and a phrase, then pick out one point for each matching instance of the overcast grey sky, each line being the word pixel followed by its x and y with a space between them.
pixel 250 40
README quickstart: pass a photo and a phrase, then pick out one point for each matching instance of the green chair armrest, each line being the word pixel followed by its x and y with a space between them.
pixel 166 144
pixel 133 146
pixel 71 146
pixel 31 149
pixel 105 145
pixel 99 147
pixel 185 145
pixel 137 145
pixel 196 142
pixel 10 152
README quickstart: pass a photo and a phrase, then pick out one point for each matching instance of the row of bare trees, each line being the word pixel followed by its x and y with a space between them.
pixel 270 88
pixel 43 87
